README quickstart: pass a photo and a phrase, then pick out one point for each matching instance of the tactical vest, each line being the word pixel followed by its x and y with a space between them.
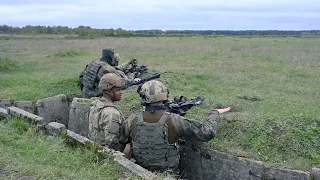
pixel 89 78
pixel 151 148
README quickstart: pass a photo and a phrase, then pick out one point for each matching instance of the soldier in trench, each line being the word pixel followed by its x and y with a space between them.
pixel 105 118
pixel 154 132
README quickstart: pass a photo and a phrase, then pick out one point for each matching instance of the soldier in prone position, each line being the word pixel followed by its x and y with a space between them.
pixel 108 63
pixel 154 132
pixel 105 118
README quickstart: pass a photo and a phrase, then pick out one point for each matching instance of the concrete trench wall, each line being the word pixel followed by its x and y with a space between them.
pixel 200 162
pixel 62 114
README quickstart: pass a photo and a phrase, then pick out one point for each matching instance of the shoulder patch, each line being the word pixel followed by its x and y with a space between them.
pixel 113 127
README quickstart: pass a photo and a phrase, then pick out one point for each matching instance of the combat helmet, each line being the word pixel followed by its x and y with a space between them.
pixel 117 57
pixel 107 55
pixel 153 91
pixel 110 82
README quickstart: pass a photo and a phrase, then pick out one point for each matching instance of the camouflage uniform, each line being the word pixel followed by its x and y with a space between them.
pixel 104 122
pixel 178 128
pixel 122 67
pixel 154 134
pixel 90 77
pixel 105 118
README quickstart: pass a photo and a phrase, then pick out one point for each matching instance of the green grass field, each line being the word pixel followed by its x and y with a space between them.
pixel 26 154
pixel 271 84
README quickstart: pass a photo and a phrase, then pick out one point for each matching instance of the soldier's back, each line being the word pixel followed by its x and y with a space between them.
pixel 104 122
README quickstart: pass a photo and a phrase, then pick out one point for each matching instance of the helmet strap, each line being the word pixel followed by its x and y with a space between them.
pixel 154 107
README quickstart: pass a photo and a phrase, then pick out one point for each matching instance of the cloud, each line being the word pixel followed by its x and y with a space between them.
pixel 165 14
pixel 35 12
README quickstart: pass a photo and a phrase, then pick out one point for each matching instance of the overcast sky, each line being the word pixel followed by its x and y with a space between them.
pixel 165 14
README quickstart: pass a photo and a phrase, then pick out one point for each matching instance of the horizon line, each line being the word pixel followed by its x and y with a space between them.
pixel 163 29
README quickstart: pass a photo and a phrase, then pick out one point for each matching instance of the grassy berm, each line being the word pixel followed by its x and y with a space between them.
pixel 26 154
pixel 271 84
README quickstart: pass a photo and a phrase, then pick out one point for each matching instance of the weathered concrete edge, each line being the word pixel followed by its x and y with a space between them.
pixel 118 156
pixel 131 166
pixel 4 113
pixel 55 129
pixel 14 111
pixel 313 174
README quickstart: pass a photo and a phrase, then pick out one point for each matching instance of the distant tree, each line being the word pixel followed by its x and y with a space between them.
pixel 50 30
pixel 87 31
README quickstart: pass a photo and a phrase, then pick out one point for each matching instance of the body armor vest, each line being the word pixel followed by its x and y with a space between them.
pixel 151 148
pixel 90 79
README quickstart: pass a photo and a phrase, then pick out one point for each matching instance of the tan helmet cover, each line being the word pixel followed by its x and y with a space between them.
pixel 110 81
pixel 153 91
pixel 116 57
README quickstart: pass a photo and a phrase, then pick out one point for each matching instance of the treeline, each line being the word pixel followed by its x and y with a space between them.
pixel 228 32
pixel 81 30
pixel 87 31
pixel 231 32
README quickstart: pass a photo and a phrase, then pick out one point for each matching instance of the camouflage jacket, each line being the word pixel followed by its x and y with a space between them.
pixel 178 126
pixel 90 88
pixel 107 68
pixel 105 121
pixel 124 66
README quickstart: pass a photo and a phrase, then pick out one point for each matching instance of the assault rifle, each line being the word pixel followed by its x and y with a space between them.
pixel 181 105
pixel 143 80
pixel 138 70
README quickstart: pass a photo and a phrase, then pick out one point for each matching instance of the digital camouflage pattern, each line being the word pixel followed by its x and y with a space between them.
pixel 178 128
pixel 194 130
pixel 111 82
pixel 105 121
pixel 153 91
